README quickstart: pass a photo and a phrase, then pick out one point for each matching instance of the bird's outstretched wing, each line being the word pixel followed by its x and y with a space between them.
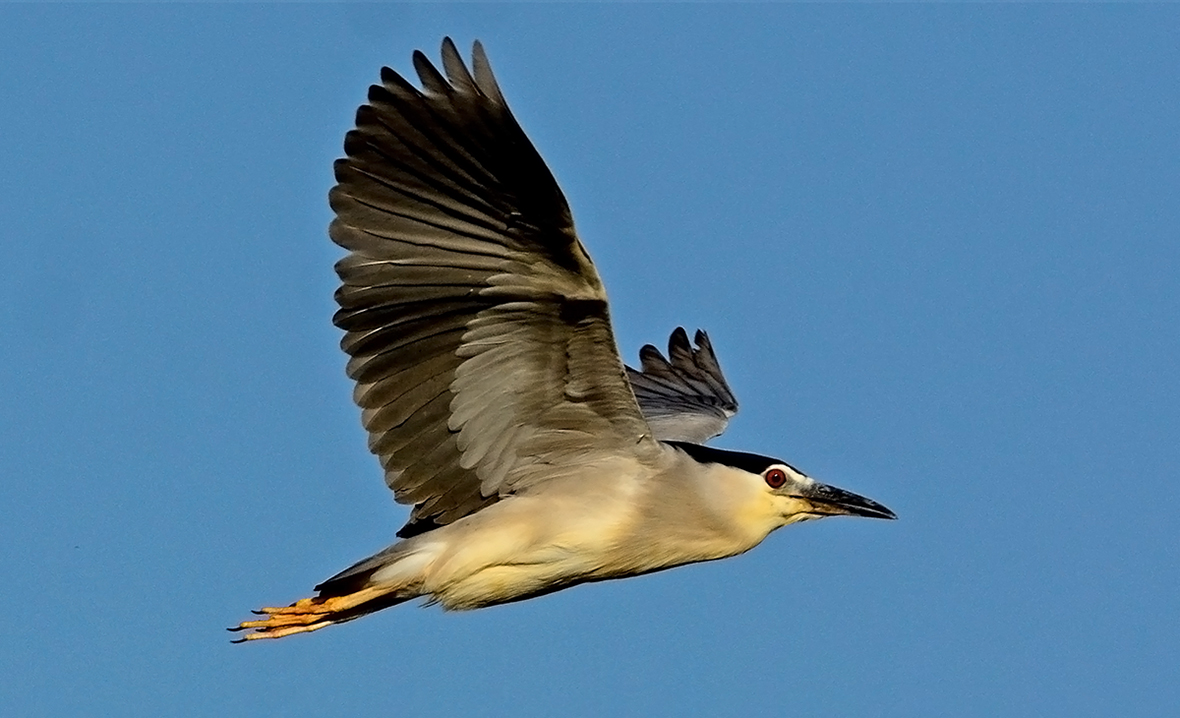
pixel 476 323
pixel 683 397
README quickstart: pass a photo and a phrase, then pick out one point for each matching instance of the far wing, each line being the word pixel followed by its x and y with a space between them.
pixel 683 397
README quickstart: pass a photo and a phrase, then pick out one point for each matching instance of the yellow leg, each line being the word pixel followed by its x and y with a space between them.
pixel 306 614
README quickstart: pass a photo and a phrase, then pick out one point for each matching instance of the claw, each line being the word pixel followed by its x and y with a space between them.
pixel 284 631
pixel 306 614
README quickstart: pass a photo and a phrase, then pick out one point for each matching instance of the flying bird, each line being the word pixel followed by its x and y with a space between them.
pixel 490 385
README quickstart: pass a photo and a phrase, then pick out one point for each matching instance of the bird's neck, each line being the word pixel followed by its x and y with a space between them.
pixel 687 515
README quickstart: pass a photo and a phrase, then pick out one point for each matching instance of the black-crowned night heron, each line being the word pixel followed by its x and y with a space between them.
pixel 491 387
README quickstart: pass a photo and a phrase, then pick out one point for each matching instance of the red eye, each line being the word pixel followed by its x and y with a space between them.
pixel 775 478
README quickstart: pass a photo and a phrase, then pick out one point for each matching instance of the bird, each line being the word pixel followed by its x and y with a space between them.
pixel 489 381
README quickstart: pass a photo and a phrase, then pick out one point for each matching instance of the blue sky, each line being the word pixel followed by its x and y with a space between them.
pixel 936 248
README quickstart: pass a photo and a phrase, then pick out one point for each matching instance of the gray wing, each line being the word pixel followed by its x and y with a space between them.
pixel 684 397
pixel 476 323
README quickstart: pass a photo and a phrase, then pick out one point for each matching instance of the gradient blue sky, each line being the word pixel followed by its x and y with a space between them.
pixel 937 249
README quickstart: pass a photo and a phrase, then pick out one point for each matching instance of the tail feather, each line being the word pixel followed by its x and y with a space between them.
pixel 356 577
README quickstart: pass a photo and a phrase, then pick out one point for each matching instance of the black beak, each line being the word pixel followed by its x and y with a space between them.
pixel 830 501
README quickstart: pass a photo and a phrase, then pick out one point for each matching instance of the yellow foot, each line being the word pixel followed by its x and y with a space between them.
pixel 306 614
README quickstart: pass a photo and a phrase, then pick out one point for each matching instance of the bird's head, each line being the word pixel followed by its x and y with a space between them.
pixel 777 493
pixel 799 497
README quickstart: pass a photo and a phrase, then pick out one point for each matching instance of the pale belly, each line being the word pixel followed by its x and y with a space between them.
pixel 514 554
pixel 571 533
